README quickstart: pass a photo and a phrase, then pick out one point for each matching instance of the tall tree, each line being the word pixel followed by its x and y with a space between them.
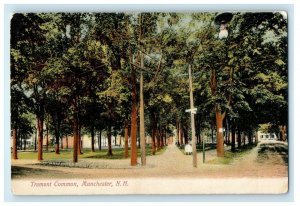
pixel 30 43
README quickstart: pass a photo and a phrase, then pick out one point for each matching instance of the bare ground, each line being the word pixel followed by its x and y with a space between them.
pixel 265 160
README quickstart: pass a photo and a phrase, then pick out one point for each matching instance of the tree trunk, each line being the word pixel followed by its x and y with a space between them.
pixel 239 138
pixel 35 139
pixel 93 138
pixel 183 135
pixel 109 150
pixel 56 133
pixel 61 142
pixel 199 133
pixel 177 133
pixel 162 138
pixel 227 132
pixel 126 141
pixel 24 148
pixel 19 141
pixel 142 118
pixel 15 151
pixel 250 137
pixel 40 137
pixel 165 137
pixel 233 137
pixel 180 134
pixel 134 110
pixel 256 137
pixel 220 137
pixel 282 129
pixel 67 143
pixel 212 134
pixel 153 140
pixel 75 139
pixel 157 139
pixel 47 137
pixel 100 140
pixel 79 144
pixel 186 136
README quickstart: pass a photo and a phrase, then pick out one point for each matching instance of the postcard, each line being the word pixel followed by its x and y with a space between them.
pixel 149 103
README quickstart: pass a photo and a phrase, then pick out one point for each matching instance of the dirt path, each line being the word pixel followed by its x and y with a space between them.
pixel 172 163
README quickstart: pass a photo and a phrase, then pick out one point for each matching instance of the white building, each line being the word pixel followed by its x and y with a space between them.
pixel 266 136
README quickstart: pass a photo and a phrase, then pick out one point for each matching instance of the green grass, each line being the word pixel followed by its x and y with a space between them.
pixel 229 156
pixel 118 153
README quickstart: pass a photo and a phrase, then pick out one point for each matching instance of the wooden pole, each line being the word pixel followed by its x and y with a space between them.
pixel 192 118
pixel 142 119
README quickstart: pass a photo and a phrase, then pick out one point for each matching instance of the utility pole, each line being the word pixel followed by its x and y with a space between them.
pixel 193 111
pixel 142 119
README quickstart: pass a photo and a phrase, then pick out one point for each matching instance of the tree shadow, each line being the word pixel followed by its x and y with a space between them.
pixel 18 171
pixel 272 153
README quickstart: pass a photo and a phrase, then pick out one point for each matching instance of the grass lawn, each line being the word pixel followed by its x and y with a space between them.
pixel 229 156
pixel 118 153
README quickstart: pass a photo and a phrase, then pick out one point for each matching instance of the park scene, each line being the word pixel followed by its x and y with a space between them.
pixel 196 97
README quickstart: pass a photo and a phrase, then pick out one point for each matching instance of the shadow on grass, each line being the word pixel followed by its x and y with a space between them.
pixel 120 154
pixel 230 156
pixel 17 171
pixel 274 153
pixel 105 156
pixel 245 147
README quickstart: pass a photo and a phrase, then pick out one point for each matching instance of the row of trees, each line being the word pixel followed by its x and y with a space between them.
pixel 82 70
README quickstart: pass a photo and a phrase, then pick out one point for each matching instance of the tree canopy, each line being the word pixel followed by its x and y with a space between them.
pixel 83 69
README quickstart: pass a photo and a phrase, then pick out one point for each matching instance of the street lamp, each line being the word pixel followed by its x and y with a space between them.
pixel 221 20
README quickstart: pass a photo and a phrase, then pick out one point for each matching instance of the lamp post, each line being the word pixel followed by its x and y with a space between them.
pixel 221 20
